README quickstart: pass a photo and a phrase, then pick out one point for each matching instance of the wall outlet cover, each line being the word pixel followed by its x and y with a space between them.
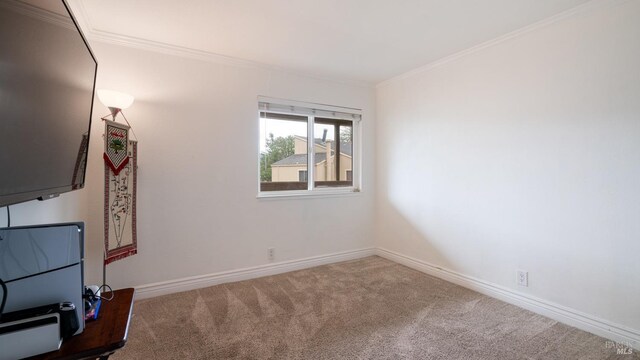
pixel 522 278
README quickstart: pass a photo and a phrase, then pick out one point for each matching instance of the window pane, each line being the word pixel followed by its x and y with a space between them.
pixel 346 154
pixel 333 153
pixel 283 152
pixel 289 161
pixel 324 144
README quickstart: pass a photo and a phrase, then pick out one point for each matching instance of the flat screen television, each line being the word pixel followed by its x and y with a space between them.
pixel 47 82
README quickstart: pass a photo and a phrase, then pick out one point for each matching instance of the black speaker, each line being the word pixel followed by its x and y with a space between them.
pixel 69 322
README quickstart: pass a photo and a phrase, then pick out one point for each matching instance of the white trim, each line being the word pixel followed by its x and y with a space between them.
pixel 311 153
pixel 303 194
pixel 307 105
pixel 358 156
pixel 94 34
pixel 578 10
pixel 197 282
pixel 549 309
pixel 311 190
pixel 566 315
pixel 108 37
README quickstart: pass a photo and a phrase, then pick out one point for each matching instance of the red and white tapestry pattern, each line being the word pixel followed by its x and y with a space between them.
pixel 120 237
pixel 116 145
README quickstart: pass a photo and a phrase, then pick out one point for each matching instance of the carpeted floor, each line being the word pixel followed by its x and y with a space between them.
pixel 370 308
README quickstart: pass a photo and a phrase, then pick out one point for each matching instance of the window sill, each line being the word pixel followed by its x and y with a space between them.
pixel 304 194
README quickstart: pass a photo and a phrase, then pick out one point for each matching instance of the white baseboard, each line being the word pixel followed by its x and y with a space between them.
pixel 554 311
pixel 196 282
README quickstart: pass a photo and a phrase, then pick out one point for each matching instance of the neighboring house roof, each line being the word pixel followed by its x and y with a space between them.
pixel 299 159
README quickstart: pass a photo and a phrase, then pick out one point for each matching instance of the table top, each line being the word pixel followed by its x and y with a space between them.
pixel 102 336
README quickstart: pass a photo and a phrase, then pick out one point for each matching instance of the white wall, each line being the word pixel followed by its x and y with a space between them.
pixel 197 127
pixel 523 155
pixel 69 207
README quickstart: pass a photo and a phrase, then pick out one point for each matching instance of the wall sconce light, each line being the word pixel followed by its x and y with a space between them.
pixel 115 101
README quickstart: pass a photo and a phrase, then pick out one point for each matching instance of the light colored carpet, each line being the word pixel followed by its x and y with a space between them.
pixel 370 308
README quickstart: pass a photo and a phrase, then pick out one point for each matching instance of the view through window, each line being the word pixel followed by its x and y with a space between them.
pixel 288 160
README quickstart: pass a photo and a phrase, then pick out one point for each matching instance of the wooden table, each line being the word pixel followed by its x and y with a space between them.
pixel 101 337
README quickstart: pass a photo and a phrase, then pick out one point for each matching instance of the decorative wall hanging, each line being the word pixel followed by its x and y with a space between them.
pixel 120 181
pixel 120 235
pixel 116 149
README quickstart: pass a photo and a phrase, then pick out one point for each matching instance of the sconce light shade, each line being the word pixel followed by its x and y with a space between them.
pixel 115 99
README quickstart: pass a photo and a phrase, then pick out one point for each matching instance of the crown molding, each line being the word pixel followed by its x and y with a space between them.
pixel 108 37
pixel 79 15
pixel 575 11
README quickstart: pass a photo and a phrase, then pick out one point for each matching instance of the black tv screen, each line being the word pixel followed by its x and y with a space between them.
pixel 47 80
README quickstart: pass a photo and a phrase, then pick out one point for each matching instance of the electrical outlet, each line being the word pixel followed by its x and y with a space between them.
pixel 271 253
pixel 522 278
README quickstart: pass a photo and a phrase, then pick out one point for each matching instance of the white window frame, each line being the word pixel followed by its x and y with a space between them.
pixel 310 110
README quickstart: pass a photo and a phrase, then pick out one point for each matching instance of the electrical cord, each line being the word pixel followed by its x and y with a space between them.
pixel 92 295
pixel 105 286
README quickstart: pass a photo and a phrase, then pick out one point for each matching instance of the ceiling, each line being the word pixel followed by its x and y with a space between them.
pixel 355 40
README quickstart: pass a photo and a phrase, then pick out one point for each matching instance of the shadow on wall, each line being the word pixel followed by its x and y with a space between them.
pixel 402 230
pixel 460 235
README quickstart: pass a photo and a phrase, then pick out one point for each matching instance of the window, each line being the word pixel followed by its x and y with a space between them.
pixel 302 176
pixel 291 164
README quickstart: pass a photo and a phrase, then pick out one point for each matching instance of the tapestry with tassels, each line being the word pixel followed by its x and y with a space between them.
pixel 120 183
